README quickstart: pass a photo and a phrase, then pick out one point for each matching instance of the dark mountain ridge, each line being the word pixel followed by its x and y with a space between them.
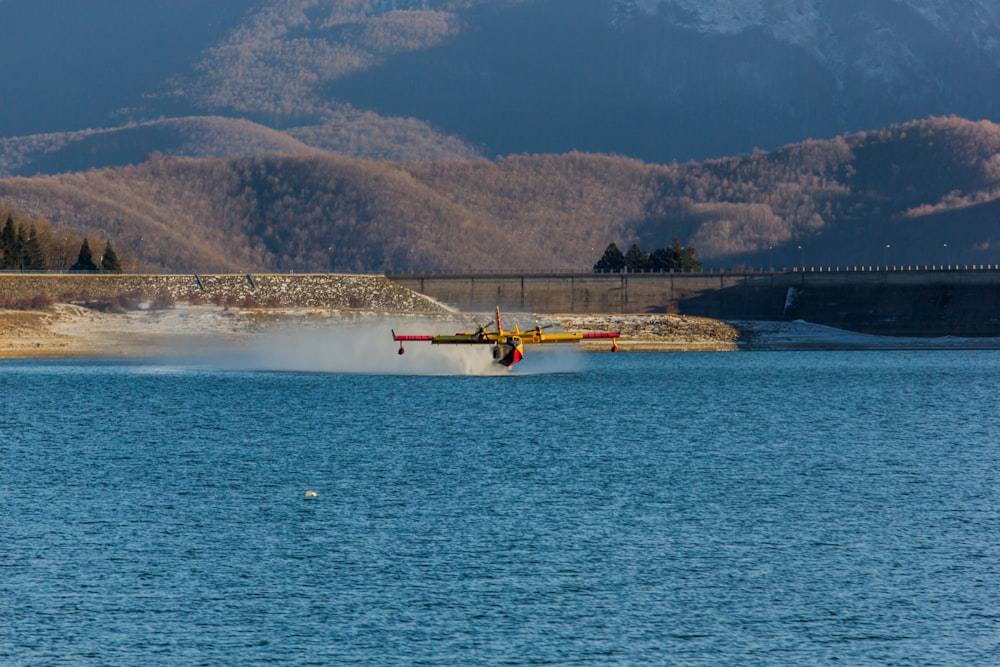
pixel 657 80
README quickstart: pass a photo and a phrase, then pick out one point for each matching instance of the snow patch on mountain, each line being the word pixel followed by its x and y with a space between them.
pixel 794 21
pixel 808 22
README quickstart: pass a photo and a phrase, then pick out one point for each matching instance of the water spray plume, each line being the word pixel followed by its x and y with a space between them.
pixel 367 348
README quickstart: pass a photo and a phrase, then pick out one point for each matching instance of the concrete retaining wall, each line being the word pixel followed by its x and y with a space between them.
pixel 896 303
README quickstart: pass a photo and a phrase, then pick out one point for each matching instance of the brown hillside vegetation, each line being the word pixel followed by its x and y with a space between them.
pixel 345 130
pixel 913 187
pixel 313 42
pixel 277 65
pixel 133 143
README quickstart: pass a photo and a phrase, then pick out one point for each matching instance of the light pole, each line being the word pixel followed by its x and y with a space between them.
pixel 770 257
pixel 885 257
pixel 802 255
pixel 947 251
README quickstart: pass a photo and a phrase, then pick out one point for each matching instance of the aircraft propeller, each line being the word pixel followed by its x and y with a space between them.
pixel 480 328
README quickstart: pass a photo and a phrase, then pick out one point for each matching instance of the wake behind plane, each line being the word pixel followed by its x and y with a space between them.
pixel 507 347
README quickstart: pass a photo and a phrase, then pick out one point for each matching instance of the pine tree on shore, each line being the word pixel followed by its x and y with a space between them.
pixel 8 239
pixel 85 261
pixel 109 260
pixel 34 253
pixel 612 261
pixel 18 258
pixel 635 258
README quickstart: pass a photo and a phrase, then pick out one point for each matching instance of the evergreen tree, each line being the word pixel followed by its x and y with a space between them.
pixel 18 258
pixel 85 261
pixel 8 239
pixel 635 259
pixel 659 260
pixel 688 261
pixel 681 258
pixel 675 255
pixel 685 257
pixel 612 261
pixel 109 260
pixel 34 253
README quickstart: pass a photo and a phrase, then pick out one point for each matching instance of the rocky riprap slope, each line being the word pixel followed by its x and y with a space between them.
pixel 665 332
pixel 359 292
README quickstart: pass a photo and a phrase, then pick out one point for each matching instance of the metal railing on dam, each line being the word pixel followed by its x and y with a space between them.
pixel 818 268
pixel 913 301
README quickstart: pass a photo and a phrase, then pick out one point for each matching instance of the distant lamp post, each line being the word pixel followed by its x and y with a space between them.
pixel 885 257
pixel 947 251
pixel 770 257
pixel 802 257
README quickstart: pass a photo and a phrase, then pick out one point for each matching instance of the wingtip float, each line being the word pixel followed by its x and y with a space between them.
pixel 507 347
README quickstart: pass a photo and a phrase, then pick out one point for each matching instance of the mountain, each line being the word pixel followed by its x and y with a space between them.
pixel 405 80
pixel 206 136
pixel 925 192
pixel 683 80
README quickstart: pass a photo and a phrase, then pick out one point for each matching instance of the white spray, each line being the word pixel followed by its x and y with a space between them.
pixel 367 348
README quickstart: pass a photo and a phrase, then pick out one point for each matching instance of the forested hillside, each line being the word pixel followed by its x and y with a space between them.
pixel 134 143
pixel 898 196
pixel 405 80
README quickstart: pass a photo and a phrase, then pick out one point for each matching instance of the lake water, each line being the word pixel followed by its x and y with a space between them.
pixel 782 508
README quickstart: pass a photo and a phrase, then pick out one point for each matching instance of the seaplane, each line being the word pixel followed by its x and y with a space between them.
pixel 507 347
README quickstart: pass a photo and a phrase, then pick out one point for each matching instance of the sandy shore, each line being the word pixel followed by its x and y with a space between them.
pixel 73 331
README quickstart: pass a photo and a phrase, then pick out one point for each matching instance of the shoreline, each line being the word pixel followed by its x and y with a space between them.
pixel 72 331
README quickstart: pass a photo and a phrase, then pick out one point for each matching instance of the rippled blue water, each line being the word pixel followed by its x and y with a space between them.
pixel 677 509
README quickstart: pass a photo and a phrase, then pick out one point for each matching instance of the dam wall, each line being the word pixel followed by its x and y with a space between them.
pixel 893 303
pixel 885 302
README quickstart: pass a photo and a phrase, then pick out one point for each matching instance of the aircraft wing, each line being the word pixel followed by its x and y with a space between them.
pixel 474 338
pixel 396 336
pixel 530 337
pixel 535 336
pixel 464 339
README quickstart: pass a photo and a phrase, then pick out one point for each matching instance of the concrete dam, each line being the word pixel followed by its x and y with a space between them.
pixel 918 302
pixel 928 302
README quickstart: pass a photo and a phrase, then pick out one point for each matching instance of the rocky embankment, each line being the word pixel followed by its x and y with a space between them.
pixel 682 333
pixel 271 290
pixel 65 315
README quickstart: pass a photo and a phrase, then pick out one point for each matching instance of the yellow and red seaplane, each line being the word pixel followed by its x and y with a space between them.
pixel 507 346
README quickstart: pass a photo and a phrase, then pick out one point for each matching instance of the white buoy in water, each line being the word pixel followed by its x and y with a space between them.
pixel 311 494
